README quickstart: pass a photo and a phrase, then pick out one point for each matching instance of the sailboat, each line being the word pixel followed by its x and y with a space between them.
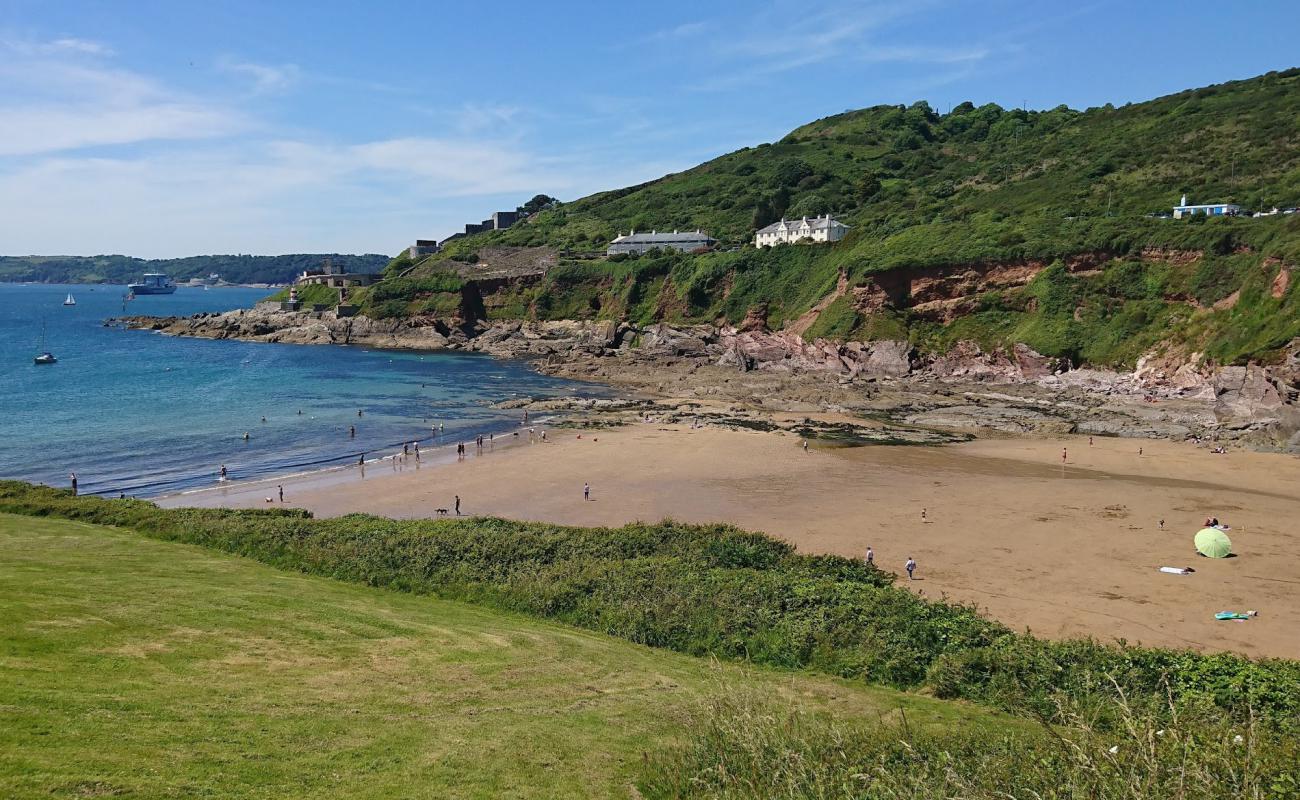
pixel 71 301
pixel 44 356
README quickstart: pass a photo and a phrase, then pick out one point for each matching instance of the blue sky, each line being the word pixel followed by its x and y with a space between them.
pixel 173 128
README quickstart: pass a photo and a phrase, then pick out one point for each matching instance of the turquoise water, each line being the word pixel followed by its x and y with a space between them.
pixel 144 414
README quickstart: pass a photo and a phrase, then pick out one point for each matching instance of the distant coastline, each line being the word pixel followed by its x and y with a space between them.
pixel 236 270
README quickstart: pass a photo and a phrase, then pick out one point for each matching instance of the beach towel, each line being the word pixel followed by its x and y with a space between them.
pixel 1178 570
pixel 1227 615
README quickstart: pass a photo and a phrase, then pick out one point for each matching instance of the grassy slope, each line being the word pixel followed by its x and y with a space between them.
pixel 138 668
pixel 977 184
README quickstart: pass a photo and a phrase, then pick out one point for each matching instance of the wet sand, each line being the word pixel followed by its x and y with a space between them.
pixel 1063 550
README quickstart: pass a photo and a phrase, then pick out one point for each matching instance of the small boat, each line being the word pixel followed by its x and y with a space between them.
pixel 71 301
pixel 44 356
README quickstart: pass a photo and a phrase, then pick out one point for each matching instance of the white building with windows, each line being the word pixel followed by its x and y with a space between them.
pixel 817 229
pixel 1209 209
pixel 636 243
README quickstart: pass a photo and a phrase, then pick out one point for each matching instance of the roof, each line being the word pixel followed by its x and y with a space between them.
pixel 655 236
pixel 816 224
pixel 1207 205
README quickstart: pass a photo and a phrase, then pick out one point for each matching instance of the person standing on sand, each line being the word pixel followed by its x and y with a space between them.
pixel 805 445
pixel 910 566
pixel 1139 451
pixel 458 505
pixel 871 556
pixel 923 515
pixel 1064 454
pixel 1090 441
pixel 72 478
pixel 1162 524
pixel 281 489
pixel 586 491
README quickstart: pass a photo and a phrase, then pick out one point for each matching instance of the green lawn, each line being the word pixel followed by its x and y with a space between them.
pixel 131 667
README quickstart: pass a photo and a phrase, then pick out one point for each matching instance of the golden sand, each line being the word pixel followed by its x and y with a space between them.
pixel 1061 549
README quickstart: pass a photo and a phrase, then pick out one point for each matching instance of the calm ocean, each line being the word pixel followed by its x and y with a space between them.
pixel 146 414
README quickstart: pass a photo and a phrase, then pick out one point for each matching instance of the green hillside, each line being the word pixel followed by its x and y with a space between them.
pixel 976 186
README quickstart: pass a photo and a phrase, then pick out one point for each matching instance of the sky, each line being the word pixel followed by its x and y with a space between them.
pixel 170 128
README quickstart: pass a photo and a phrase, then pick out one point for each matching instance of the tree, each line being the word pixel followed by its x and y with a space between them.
pixel 540 202
pixel 810 205
pixel 792 170
pixel 868 186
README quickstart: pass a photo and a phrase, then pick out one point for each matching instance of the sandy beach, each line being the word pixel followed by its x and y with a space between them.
pixel 1063 550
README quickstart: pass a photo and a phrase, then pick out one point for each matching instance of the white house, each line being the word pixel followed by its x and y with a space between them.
pixel 637 243
pixel 1209 209
pixel 818 229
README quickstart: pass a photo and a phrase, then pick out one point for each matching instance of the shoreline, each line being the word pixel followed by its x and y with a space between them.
pixel 1064 550
pixel 1016 391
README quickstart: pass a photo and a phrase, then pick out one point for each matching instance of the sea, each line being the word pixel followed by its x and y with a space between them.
pixel 143 414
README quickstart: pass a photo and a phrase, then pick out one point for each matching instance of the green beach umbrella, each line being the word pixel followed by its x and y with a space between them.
pixel 1213 543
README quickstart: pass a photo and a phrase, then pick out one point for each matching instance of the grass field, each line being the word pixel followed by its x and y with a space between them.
pixel 131 667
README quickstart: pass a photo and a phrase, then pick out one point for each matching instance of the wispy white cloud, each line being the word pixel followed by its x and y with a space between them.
pixel 784 38
pixel 264 78
pixel 62 95
pixel 477 118
pixel 27 47
pixel 686 30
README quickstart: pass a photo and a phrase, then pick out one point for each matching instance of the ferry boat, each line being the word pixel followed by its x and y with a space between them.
pixel 152 283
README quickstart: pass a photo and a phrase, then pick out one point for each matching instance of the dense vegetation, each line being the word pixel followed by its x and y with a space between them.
pixel 982 185
pixel 751 748
pixel 719 591
pixel 124 269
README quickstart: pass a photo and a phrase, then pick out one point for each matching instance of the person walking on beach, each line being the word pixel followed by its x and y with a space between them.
pixel 72 478
pixel 458 505
pixel 805 445
pixel 586 491
pixel 417 452
pixel 910 566
pixel 923 515
pixel 1064 454
pixel 871 556
pixel 1139 451
pixel 281 490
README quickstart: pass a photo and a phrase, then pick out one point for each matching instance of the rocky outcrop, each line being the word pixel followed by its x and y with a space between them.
pixel 1169 395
